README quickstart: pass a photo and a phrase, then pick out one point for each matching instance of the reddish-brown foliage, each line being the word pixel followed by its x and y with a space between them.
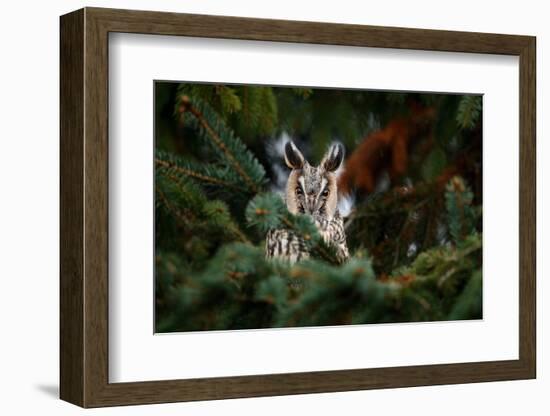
pixel 385 150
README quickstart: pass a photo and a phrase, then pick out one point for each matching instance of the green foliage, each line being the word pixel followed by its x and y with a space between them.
pixel 462 216
pixel 213 177
pixel 223 296
pixel 252 111
pixel 230 152
pixel 183 201
pixel 415 245
pixel 268 211
pixel 469 111
pixel 223 98
pixel 349 289
pixel 437 276
pixel 240 289
pixel 469 302
pixel 434 164
pixel 258 115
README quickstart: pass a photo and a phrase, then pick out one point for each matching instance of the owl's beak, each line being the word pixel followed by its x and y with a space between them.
pixel 311 204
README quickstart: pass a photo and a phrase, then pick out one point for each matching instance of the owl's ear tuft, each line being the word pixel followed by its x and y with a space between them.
pixel 333 158
pixel 293 157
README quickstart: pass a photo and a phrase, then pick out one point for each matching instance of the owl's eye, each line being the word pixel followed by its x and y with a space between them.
pixel 299 190
pixel 325 192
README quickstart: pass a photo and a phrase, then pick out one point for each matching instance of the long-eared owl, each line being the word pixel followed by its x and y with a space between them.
pixel 310 190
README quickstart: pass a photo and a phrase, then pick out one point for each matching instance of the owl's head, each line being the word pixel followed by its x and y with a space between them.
pixel 313 189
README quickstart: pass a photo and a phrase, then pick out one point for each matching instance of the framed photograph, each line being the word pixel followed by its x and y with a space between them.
pixel 255 207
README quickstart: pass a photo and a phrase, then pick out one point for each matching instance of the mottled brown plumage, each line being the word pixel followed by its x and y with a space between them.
pixel 310 190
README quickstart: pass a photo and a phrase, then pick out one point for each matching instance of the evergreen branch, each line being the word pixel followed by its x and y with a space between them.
pixel 241 289
pixel 469 302
pixel 268 211
pixel 440 264
pixel 319 247
pixel 223 98
pixel 217 212
pixel 195 174
pixel 198 211
pixel 258 116
pixel 224 142
pixel 186 218
pixel 237 231
pixel 469 111
pixel 461 215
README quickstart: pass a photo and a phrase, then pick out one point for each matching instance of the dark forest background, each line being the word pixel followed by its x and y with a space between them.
pixel 410 190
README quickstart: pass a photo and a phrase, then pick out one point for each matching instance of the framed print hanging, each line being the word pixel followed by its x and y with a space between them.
pixel 254 207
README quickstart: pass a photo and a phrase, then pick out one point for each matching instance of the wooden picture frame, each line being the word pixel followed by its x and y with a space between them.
pixel 84 207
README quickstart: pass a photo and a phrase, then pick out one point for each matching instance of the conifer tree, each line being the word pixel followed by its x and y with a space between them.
pixel 414 232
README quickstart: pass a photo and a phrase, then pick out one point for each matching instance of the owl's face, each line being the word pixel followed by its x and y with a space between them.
pixel 312 189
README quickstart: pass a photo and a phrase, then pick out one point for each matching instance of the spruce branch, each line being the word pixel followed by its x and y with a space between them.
pixel 229 147
pixel 461 215
pixel 187 204
pixel 203 173
pixel 268 211
pixel 185 217
pixel 258 116
pixel 469 111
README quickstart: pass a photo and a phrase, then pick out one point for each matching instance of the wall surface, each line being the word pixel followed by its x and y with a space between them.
pixel 29 163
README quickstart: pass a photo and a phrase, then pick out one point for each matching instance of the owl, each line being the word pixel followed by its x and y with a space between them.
pixel 310 190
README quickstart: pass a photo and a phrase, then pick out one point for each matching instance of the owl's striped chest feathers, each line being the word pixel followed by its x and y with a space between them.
pixel 286 245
